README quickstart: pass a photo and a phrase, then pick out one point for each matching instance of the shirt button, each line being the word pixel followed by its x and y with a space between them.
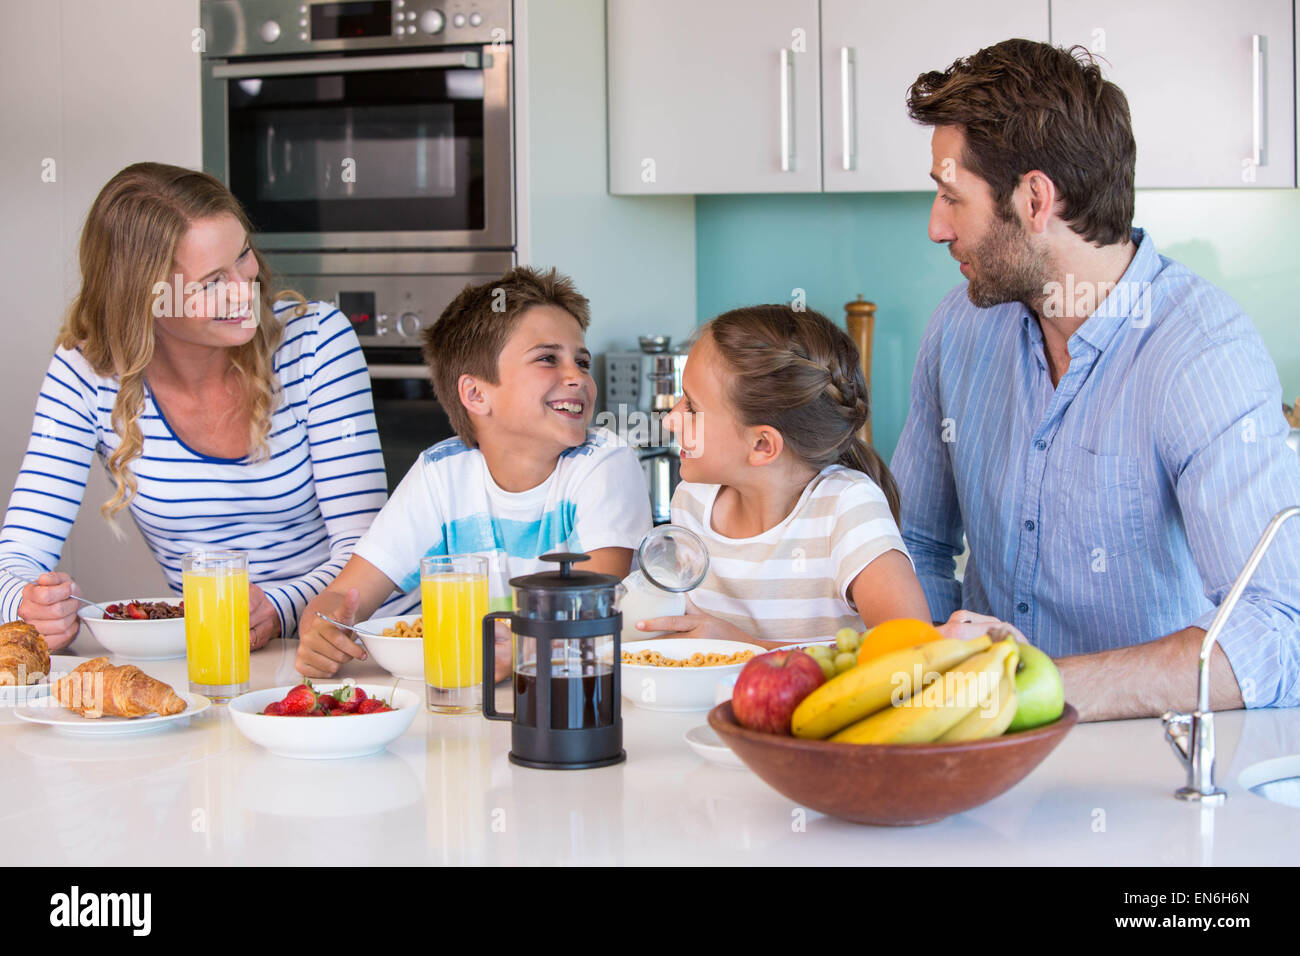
pixel 1022 607
pixel 1040 444
pixel 1029 526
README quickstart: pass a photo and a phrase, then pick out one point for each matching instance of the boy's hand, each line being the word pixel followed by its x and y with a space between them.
pixel 696 624
pixel 323 647
pixel 503 651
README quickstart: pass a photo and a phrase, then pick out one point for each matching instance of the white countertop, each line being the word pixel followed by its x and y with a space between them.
pixel 444 793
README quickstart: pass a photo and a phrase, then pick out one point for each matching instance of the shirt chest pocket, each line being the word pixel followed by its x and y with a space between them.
pixel 1102 506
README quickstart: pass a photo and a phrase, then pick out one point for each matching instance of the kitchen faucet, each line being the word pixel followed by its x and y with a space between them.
pixel 1192 735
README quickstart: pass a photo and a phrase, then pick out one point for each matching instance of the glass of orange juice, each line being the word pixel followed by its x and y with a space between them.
pixel 454 595
pixel 215 587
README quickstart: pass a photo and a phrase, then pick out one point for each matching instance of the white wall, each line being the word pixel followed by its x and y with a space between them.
pixel 93 86
pixel 633 257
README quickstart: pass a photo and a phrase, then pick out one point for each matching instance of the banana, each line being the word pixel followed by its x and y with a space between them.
pixel 938 708
pixel 993 716
pixel 851 696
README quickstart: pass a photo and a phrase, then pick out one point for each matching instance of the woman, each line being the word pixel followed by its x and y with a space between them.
pixel 223 421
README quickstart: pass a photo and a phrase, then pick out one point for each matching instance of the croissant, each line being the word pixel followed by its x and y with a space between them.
pixel 97 689
pixel 24 656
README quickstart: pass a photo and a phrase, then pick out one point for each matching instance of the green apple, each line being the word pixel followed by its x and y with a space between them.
pixel 1040 695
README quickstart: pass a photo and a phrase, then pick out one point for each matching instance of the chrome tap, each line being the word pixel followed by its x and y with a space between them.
pixel 1192 735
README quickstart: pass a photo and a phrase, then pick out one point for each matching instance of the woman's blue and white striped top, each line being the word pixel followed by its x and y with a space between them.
pixel 298 513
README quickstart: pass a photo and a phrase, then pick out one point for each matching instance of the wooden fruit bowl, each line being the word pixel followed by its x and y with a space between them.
pixel 890 784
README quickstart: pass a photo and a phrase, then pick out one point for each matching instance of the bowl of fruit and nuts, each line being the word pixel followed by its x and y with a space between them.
pixel 357 719
pixel 139 629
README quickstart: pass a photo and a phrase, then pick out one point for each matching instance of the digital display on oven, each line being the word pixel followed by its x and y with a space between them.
pixel 359 307
pixel 338 21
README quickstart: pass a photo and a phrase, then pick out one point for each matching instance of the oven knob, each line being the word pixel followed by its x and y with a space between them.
pixel 432 21
pixel 458 20
pixel 408 325
pixel 270 31
pixel 476 19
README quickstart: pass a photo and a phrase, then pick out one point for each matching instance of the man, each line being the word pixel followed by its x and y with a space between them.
pixel 1104 426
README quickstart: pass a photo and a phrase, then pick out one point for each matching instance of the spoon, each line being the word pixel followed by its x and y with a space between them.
pixel 73 596
pixel 344 627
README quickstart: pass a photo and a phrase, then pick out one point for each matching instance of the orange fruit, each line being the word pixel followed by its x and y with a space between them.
pixel 895 635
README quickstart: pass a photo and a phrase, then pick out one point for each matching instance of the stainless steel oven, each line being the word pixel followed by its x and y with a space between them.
pixel 368 124
pixel 390 298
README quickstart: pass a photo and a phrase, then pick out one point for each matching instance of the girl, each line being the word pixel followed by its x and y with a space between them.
pixel 800 516
pixel 221 422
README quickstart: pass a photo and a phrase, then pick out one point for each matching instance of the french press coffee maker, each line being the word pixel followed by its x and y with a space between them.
pixel 566 668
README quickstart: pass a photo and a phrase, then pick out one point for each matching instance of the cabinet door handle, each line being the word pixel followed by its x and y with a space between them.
pixel 847 107
pixel 787 119
pixel 1257 98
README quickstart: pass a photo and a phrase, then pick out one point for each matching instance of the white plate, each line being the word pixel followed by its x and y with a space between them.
pixel 161 640
pixel 48 711
pixel 705 742
pixel 11 694
pixel 679 689
pixel 325 737
pixel 401 656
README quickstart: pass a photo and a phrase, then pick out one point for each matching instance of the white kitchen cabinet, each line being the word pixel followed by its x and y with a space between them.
pixel 718 97
pixel 1210 85
pixel 871 53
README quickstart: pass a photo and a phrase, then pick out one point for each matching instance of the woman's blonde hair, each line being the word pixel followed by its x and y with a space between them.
pixel 128 246
pixel 799 373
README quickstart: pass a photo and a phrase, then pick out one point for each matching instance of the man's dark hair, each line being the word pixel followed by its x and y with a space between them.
pixel 1025 105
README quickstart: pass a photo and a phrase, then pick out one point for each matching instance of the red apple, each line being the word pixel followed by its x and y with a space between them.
pixel 771 687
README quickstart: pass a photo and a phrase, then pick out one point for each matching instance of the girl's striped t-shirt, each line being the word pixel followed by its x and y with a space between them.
pixel 297 513
pixel 791 583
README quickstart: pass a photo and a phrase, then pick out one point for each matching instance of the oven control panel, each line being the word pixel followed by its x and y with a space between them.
pixel 242 28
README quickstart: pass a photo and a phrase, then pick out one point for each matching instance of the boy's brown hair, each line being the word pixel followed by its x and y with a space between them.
pixel 1025 105
pixel 468 337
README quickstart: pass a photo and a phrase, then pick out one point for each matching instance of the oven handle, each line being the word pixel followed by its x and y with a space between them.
pixel 469 59
pixel 399 371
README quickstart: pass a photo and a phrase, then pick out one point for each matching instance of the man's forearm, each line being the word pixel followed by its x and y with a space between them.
pixel 1146 680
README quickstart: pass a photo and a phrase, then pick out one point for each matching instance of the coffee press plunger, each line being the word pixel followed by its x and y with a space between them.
pixel 566 668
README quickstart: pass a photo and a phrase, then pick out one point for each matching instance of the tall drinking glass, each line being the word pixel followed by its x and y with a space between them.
pixel 215 587
pixel 454 593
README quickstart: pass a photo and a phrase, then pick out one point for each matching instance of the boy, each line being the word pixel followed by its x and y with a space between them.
pixel 525 476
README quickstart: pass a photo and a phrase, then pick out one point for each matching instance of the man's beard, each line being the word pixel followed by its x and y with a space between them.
pixel 1006 267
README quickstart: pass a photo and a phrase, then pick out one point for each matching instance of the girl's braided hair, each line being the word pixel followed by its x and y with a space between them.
pixel 799 373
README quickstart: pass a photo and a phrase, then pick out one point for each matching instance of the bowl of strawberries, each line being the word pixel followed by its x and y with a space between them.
pixel 353 719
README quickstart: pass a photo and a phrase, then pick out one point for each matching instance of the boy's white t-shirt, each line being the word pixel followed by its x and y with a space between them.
pixel 448 504
pixel 791 583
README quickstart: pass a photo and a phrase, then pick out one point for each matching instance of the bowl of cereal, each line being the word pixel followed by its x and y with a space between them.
pixel 396 644
pixel 138 629
pixel 680 673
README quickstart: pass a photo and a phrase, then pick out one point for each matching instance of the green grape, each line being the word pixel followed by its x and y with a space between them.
pixel 846 639
pixel 844 661
pixel 827 665
pixel 818 651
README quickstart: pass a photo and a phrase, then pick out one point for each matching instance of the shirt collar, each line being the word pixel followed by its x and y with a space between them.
pixel 1130 300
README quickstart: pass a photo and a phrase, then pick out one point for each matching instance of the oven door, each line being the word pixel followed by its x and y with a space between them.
pixel 407 416
pixel 383 150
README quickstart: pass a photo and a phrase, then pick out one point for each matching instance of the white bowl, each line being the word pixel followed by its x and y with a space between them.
pixel 401 656
pixel 679 688
pixel 318 738
pixel 160 640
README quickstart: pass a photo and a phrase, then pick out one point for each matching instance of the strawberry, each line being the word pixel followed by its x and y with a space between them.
pixel 349 698
pixel 326 702
pixel 274 709
pixel 300 701
pixel 372 705
pixel 136 612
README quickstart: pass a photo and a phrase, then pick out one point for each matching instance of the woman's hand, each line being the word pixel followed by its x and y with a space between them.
pixel 47 606
pixel 263 621
pixel 697 624
pixel 322 647
pixel 967 625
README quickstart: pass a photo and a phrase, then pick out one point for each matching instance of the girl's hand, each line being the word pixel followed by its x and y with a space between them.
pixel 263 621
pixel 697 624
pixel 967 625
pixel 47 606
